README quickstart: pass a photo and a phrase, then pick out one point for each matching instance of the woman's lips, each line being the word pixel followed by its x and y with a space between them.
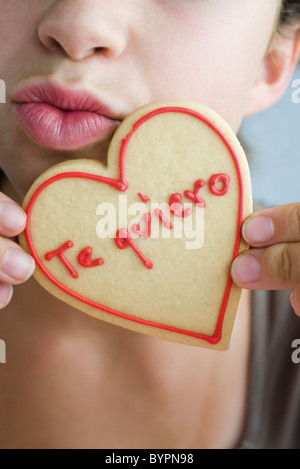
pixel 63 119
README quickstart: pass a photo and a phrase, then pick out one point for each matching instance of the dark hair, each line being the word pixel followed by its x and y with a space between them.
pixel 290 12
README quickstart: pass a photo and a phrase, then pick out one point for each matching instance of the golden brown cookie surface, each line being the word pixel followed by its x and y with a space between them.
pixel 147 241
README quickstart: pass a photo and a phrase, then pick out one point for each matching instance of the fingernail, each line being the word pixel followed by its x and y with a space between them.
pixel 17 264
pixel 6 292
pixel 12 216
pixel 293 300
pixel 259 229
pixel 246 269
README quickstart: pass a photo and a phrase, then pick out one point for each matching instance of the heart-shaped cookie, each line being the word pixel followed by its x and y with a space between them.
pixel 147 241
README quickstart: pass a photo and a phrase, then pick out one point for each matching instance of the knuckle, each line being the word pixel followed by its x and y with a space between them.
pixel 286 264
pixel 294 219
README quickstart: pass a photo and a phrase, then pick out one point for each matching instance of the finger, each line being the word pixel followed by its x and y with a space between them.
pixel 6 292
pixel 16 266
pixel 12 217
pixel 295 299
pixel 273 226
pixel 273 268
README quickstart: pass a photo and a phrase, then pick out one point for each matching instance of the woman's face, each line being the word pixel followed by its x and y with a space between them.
pixel 80 66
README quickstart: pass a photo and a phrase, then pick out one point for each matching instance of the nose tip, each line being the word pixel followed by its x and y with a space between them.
pixel 81 33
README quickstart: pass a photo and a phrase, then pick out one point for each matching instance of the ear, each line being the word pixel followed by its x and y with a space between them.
pixel 276 71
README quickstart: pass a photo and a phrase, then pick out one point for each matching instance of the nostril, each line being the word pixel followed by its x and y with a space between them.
pixel 52 44
pixel 93 51
pixel 90 52
pixel 55 44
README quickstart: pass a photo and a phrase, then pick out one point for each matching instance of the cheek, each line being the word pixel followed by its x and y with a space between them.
pixel 216 78
pixel 18 33
pixel 215 64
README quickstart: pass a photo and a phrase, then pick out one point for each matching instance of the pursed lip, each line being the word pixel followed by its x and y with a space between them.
pixel 63 118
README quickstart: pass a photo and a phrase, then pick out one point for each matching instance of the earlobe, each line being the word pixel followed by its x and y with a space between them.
pixel 276 72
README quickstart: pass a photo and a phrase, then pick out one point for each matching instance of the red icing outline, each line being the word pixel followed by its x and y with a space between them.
pixel 122 185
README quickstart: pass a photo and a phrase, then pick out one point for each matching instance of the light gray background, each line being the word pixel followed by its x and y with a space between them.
pixel 272 140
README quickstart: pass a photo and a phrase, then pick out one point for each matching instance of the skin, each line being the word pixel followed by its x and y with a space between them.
pixel 65 367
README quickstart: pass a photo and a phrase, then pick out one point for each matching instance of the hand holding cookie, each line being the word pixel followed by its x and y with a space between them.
pixel 16 266
pixel 274 261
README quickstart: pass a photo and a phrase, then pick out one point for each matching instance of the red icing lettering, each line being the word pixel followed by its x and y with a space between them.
pixel 144 198
pixel 61 254
pixel 124 240
pixel 224 179
pixel 175 204
pixel 194 196
pixel 137 230
pixel 163 219
pixel 85 258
